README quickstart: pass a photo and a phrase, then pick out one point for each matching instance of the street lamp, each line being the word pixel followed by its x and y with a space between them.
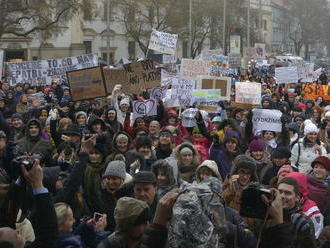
pixel 224 26
pixel 108 32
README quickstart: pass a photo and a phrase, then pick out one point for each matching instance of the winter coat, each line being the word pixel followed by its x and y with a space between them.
pixel 163 153
pixel 302 156
pixel 308 207
pixel 33 144
pixel 223 158
pixel 318 191
pixel 262 165
pixel 187 172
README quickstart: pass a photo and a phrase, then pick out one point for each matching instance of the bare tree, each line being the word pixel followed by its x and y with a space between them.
pixel 24 17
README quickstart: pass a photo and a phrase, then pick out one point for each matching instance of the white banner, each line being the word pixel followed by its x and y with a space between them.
pixel 1 63
pixel 163 42
pixel 286 75
pixel 247 92
pixel 41 72
pixel 188 117
pixel 266 119
pixel 182 91
pixel 143 108
pixel 306 73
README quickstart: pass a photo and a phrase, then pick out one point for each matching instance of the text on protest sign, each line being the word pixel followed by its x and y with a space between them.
pixel 1 62
pixel 306 73
pixel 113 77
pixel 207 99
pixel 163 42
pixel 267 120
pixel 188 117
pixel 158 93
pixel 143 108
pixel 195 68
pixel 142 75
pixel 247 92
pixel 286 75
pixel 86 83
pixel 166 77
pixel 222 83
pixel 182 91
pixel 41 72
pixel 314 90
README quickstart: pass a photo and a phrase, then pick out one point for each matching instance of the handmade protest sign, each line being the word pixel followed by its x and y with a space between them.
pixel 142 75
pixel 314 90
pixel 113 77
pixel 247 92
pixel 266 119
pixel 188 117
pixel 86 83
pixel 222 83
pixel 207 99
pixel 306 72
pixel 220 65
pixel 260 49
pixel 163 42
pixel 158 93
pixel 182 91
pixel 40 72
pixel 166 77
pixel 1 62
pixel 195 68
pixel 286 75
pixel 143 108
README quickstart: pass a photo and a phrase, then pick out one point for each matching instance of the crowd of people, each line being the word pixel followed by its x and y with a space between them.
pixel 88 174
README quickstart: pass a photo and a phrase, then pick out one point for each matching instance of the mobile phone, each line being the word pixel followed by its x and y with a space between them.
pixel 97 216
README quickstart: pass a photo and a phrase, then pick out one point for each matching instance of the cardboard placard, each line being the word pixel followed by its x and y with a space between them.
pixel 86 83
pixel 315 90
pixel 113 77
pixel 142 75
pixel 222 83
pixel 248 92
pixel 195 68
pixel 243 105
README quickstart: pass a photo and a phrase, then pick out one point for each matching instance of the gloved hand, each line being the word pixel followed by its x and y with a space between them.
pixel 53 114
pixel 301 224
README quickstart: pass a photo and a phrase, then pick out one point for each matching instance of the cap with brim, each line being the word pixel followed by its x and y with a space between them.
pixel 145 177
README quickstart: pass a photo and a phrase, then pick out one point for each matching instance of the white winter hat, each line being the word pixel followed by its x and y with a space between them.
pixel 210 164
pixel 124 101
pixel 310 128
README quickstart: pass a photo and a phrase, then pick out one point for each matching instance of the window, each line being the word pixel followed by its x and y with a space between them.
pixel 34 58
pixel 185 49
pixel 112 56
pixel 131 50
pixel 88 46
pixel 265 24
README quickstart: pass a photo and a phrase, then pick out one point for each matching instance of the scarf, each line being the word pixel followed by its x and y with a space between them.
pixel 272 143
pixel 92 180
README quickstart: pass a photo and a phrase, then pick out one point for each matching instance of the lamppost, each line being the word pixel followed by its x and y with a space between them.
pixel 224 26
pixel 108 32
pixel 190 30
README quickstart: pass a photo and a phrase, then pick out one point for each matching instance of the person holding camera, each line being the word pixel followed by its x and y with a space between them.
pixel 44 224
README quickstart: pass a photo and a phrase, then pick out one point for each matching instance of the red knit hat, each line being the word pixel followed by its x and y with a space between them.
pixel 323 160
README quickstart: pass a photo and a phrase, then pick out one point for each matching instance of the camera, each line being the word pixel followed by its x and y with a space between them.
pixel 26 161
pixel 252 205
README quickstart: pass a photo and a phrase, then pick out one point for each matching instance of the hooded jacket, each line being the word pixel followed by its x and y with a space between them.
pixel 211 165
pixel 262 165
pixel 30 144
pixel 167 167
pixel 187 172
pixel 308 206
pixel 113 126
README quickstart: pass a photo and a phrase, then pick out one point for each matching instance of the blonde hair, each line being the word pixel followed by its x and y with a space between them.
pixel 61 210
